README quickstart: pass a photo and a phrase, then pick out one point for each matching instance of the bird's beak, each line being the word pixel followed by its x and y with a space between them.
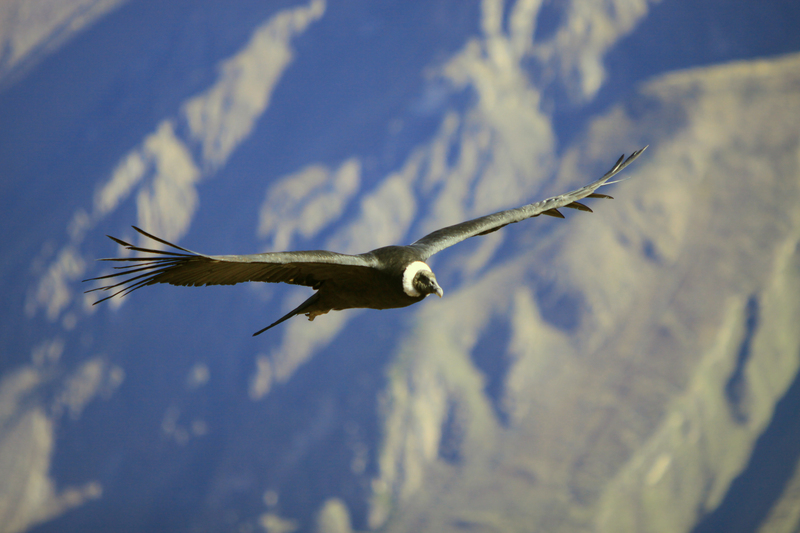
pixel 438 289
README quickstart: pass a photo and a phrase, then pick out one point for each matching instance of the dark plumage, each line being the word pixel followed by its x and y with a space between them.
pixel 385 278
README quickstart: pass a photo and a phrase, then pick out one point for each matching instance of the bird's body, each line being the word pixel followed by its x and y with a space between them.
pixel 385 278
pixel 371 287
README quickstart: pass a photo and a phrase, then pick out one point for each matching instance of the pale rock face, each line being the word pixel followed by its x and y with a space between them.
pixel 32 29
pixel 608 372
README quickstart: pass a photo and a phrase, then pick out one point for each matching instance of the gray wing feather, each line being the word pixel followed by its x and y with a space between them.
pixel 309 268
pixel 446 237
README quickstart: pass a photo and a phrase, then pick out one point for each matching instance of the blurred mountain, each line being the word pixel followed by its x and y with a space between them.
pixel 31 29
pixel 634 369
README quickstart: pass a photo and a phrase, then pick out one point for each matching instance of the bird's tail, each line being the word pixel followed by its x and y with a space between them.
pixel 299 310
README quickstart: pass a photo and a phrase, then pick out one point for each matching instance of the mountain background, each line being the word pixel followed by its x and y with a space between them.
pixel 630 370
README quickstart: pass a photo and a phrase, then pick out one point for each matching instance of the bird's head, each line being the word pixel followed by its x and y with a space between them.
pixel 419 280
pixel 425 283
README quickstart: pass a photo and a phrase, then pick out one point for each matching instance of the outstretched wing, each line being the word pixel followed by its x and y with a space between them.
pixel 184 267
pixel 446 237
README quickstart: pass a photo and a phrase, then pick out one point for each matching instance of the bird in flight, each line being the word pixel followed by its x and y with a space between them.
pixel 385 278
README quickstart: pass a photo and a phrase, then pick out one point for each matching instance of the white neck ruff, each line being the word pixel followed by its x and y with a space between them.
pixel 408 277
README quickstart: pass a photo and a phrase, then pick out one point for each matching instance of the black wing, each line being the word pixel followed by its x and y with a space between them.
pixel 184 267
pixel 446 237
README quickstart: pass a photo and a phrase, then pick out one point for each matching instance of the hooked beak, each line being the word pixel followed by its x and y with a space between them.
pixel 437 289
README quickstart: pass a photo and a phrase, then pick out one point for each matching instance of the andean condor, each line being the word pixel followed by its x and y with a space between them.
pixel 385 278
